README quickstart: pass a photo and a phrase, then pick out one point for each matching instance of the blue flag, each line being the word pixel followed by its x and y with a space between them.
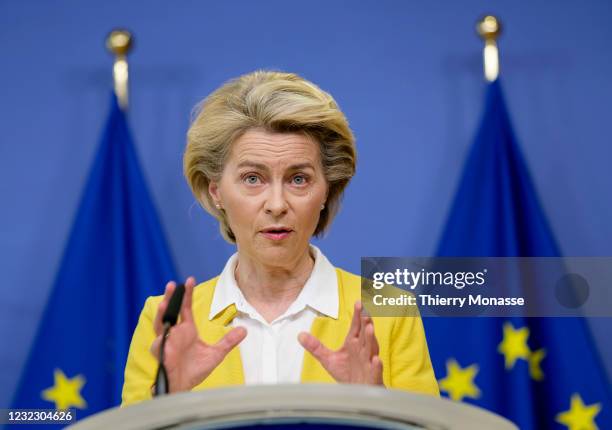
pixel 116 256
pixel 541 373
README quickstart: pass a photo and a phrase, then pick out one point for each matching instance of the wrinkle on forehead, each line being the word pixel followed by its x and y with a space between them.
pixel 275 148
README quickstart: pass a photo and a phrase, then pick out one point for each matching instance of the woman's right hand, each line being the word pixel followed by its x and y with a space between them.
pixel 189 360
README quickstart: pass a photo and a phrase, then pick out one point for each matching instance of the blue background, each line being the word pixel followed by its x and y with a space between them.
pixel 408 75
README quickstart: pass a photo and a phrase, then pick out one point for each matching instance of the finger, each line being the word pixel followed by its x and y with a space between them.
pixel 370 339
pixel 161 309
pixel 356 321
pixel 186 306
pixel 365 321
pixel 316 348
pixel 229 341
pixel 364 311
pixel 375 347
pixel 377 370
pixel 155 346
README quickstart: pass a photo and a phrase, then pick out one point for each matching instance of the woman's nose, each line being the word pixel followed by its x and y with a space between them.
pixel 276 203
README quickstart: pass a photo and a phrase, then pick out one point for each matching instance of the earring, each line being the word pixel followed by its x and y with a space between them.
pixel 323 206
pixel 218 206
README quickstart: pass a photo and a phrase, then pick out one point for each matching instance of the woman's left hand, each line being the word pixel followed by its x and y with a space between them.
pixel 357 361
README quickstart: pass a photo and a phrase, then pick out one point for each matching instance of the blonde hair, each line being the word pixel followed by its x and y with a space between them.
pixel 276 102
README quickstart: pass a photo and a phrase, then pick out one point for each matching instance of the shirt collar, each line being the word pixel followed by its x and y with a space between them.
pixel 320 291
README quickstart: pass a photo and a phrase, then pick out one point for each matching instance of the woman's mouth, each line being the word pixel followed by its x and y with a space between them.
pixel 277 234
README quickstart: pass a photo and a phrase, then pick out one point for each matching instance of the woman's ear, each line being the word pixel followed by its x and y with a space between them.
pixel 213 190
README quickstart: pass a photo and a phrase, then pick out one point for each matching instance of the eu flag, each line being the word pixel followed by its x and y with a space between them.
pixel 116 256
pixel 541 373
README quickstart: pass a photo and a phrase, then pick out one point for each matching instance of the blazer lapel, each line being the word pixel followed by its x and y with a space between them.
pixel 230 371
pixel 331 332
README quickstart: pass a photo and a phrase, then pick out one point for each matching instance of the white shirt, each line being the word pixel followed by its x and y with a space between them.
pixel 270 352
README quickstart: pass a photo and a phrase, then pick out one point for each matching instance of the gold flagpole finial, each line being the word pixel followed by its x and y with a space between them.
pixel 489 28
pixel 119 42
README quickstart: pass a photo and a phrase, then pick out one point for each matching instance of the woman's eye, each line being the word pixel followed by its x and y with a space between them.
pixel 299 179
pixel 251 179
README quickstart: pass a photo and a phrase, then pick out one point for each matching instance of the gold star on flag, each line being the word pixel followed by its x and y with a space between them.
pixel 535 359
pixel 579 416
pixel 514 345
pixel 459 383
pixel 66 392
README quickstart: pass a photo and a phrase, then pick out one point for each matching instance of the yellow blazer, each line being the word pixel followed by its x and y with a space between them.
pixel 403 349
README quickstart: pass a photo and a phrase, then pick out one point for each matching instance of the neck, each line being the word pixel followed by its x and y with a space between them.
pixel 272 289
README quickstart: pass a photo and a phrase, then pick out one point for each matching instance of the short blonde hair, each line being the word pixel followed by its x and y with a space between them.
pixel 276 102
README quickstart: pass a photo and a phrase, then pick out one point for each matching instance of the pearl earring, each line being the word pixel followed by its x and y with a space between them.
pixel 323 206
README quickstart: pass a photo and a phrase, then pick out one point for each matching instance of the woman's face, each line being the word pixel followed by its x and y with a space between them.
pixel 272 181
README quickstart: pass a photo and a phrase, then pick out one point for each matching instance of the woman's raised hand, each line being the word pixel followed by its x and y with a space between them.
pixel 189 360
pixel 357 361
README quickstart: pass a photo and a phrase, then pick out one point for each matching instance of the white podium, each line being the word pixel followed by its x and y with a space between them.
pixel 297 407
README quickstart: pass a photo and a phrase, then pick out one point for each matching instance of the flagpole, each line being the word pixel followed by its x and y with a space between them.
pixel 489 28
pixel 119 42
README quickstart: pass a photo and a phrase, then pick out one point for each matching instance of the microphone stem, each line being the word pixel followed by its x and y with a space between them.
pixel 161 381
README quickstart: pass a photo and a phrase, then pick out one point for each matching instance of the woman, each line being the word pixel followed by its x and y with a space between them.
pixel 269 155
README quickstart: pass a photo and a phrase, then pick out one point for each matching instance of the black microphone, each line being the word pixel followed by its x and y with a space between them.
pixel 174 307
pixel 169 320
